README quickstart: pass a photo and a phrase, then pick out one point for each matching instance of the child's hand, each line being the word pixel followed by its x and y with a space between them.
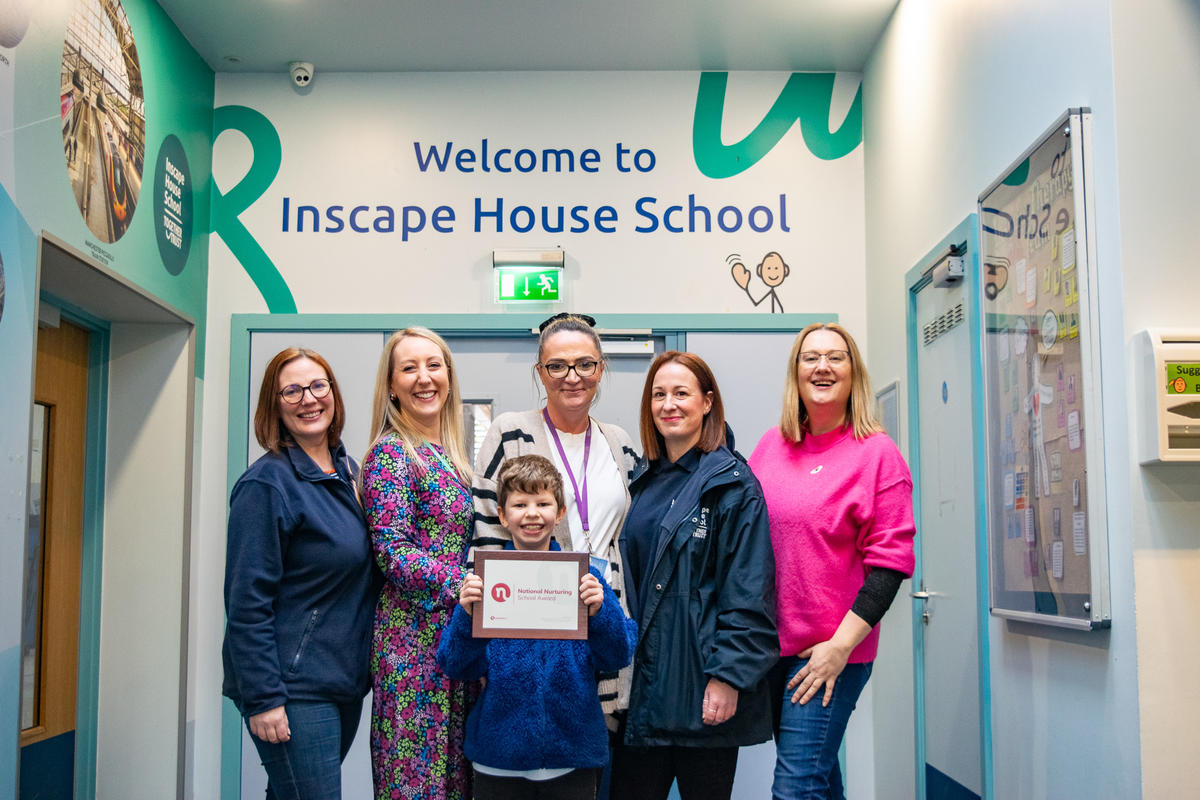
pixel 591 593
pixel 471 592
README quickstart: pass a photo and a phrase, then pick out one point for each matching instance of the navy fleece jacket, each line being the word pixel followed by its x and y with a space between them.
pixel 539 709
pixel 300 585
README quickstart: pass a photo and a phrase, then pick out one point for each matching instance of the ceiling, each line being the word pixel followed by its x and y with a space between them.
pixel 501 35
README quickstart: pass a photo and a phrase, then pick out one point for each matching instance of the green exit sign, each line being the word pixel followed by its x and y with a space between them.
pixel 528 285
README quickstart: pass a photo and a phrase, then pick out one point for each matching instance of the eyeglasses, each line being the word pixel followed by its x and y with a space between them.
pixel 559 369
pixel 294 394
pixel 810 358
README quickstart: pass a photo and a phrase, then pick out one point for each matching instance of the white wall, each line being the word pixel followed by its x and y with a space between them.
pixel 1156 58
pixel 208 565
pixel 147 518
pixel 350 140
pixel 954 93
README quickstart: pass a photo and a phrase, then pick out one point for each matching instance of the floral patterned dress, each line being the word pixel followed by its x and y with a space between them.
pixel 420 519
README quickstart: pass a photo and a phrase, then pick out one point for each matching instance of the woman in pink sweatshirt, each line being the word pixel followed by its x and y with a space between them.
pixel 839 496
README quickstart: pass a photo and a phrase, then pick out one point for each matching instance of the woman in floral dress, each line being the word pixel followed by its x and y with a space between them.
pixel 415 489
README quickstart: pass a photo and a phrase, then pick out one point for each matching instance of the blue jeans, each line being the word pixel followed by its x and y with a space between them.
pixel 810 736
pixel 309 765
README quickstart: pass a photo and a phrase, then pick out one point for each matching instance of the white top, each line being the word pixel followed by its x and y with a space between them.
pixel 547 774
pixel 606 491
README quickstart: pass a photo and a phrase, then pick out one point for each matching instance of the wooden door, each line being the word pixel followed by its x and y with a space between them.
pixel 50 646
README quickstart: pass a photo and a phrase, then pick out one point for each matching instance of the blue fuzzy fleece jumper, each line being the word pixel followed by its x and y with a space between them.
pixel 539 709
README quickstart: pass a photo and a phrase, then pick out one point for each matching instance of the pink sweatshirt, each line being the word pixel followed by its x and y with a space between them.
pixel 838 506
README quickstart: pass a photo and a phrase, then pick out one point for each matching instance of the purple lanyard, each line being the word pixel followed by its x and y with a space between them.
pixel 580 498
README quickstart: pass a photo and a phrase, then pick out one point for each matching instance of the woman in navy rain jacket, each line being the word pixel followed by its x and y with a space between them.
pixel 300 584
pixel 700 576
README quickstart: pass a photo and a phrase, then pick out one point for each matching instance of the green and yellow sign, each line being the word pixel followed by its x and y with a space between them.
pixel 1183 378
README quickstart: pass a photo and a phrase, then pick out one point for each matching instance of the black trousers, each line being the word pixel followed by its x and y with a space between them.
pixel 646 773
pixel 578 784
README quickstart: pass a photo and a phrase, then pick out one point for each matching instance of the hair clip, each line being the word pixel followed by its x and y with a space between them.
pixel 591 321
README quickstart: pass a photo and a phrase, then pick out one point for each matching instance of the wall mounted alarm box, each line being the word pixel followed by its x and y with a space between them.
pixel 1171 396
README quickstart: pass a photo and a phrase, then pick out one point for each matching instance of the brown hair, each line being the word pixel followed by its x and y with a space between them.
pixel 387 417
pixel 529 474
pixel 712 432
pixel 569 323
pixel 793 422
pixel 269 429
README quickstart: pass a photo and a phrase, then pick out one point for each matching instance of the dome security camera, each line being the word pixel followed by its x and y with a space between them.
pixel 302 73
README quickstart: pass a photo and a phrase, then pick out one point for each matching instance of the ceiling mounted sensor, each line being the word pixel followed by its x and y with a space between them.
pixel 302 72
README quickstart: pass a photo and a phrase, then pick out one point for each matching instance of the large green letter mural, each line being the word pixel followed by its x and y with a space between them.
pixel 807 97
pixel 268 154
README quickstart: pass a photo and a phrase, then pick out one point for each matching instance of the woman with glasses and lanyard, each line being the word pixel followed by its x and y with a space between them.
pixel 840 500
pixel 596 460
pixel 300 584
pixel 416 481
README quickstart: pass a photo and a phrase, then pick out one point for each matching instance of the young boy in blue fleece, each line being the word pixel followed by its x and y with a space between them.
pixel 537 730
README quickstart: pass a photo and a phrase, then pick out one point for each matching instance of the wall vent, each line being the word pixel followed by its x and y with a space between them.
pixel 943 323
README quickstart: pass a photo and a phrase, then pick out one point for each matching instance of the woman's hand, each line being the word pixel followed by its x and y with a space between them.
pixel 591 593
pixel 826 660
pixel 471 592
pixel 271 726
pixel 720 702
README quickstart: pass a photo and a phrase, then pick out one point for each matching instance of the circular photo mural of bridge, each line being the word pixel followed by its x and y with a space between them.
pixel 103 116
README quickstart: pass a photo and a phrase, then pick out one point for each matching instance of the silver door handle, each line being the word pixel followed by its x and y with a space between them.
pixel 920 595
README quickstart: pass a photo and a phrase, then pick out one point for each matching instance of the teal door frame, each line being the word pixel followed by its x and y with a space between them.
pixel 915 280
pixel 673 327
pixel 87 697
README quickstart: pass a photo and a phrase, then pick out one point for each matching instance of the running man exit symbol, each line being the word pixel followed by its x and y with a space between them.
pixel 528 285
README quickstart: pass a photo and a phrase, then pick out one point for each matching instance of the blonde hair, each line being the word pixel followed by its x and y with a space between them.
pixel 793 422
pixel 388 418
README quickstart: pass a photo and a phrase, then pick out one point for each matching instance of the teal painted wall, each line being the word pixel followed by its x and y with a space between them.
pixel 16 332
pixel 178 89
pixel 36 195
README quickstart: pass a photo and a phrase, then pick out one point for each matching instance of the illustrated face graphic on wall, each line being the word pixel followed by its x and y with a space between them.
pixel 103 116
pixel 772 271
pixel 995 276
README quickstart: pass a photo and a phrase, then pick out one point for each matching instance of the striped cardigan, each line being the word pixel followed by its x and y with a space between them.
pixel 523 432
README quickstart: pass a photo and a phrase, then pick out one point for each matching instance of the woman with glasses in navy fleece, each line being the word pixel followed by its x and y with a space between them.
pixel 300 584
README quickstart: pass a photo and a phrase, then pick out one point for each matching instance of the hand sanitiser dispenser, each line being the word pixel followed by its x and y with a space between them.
pixel 1171 396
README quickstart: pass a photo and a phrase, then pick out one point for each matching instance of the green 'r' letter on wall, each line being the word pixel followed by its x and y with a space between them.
pixel 227 206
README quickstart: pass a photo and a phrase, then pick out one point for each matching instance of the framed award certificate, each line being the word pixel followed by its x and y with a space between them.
pixel 530 594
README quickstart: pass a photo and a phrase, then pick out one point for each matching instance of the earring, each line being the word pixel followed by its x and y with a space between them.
pixel 392 397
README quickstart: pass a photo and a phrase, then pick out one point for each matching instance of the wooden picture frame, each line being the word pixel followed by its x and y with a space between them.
pixel 525 595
